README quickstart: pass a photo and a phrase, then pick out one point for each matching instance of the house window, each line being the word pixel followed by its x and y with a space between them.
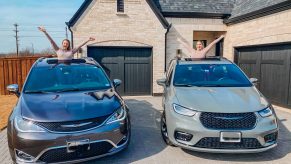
pixel 120 6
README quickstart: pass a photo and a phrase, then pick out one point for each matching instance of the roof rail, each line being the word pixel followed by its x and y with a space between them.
pixel 55 61
pixel 206 58
pixel 40 59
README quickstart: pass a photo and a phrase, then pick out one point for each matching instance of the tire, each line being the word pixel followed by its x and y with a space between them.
pixel 164 131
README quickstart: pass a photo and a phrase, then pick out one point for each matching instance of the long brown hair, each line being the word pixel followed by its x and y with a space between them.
pixel 69 47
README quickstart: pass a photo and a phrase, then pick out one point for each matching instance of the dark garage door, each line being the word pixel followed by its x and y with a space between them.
pixel 131 65
pixel 271 65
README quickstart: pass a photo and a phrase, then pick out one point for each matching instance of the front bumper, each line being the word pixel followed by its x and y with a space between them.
pixel 193 126
pixel 52 147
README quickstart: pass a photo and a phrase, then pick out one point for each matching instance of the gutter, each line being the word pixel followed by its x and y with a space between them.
pixel 72 35
pixel 166 34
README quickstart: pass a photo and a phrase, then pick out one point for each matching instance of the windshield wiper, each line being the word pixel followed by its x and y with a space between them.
pixel 36 91
pixel 185 85
pixel 69 90
pixel 215 85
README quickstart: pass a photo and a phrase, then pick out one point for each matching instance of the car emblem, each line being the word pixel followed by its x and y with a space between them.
pixel 75 125
pixel 229 118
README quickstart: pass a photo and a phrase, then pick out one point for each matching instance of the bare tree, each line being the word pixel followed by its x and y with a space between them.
pixel 47 51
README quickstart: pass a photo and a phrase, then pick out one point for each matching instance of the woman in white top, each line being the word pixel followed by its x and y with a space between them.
pixel 200 51
pixel 64 53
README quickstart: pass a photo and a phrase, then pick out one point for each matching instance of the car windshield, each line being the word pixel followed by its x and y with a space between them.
pixel 63 78
pixel 210 75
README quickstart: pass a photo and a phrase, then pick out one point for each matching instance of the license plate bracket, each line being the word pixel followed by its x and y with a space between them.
pixel 230 137
pixel 78 146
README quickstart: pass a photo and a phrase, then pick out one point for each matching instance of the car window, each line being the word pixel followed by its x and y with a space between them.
pixel 66 77
pixel 210 75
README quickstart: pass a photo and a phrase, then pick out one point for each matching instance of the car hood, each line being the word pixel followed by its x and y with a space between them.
pixel 69 106
pixel 221 99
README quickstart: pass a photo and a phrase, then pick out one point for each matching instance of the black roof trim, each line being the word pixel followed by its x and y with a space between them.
pixel 263 45
pixel 195 15
pixel 260 13
pixel 159 15
pixel 79 13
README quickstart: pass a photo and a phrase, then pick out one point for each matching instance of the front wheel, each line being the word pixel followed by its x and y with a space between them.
pixel 164 130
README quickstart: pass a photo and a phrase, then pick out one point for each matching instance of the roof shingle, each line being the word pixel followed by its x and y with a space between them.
pixel 195 6
pixel 243 7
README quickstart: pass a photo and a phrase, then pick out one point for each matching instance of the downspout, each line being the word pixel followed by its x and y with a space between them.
pixel 72 35
pixel 166 34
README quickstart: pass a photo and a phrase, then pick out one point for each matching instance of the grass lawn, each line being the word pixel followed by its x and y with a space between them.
pixel 6 105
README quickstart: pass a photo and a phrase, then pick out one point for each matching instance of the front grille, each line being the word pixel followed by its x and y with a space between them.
pixel 229 121
pixel 214 143
pixel 59 126
pixel 61 155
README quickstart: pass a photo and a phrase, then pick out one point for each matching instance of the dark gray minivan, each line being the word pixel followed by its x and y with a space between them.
pixel 67 111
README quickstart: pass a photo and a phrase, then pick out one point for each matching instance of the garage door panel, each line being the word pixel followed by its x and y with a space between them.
pixel 271 67
pixel 249 54
pixel 274 53
pixel 249 70
pixel 289 93
pixel 137 79
pixel 131 65
pixel 138 55
pixel 272 78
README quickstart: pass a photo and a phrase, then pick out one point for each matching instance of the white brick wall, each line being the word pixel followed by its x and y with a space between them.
pixel 184 28
pixel 137 24
pixel 273 28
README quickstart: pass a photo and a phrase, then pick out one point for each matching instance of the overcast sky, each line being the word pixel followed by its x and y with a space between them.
pixel 29 14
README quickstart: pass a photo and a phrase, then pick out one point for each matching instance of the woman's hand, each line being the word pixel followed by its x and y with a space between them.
pixel 91 39
pixel 42 29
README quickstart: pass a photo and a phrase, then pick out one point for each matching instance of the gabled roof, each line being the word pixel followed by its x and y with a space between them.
pixel 195 8
pixel 79 13
pixel 250 9
pixel 86 4
pixel 232 11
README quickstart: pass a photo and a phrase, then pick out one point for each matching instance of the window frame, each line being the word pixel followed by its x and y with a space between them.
pixel 120 6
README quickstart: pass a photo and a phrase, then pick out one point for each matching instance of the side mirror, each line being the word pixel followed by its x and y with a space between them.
pixel 13 88
pixel 116 82
pixel 255 81
pixel 162 82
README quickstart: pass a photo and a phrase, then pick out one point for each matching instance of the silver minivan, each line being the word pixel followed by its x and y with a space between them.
pixel 210 105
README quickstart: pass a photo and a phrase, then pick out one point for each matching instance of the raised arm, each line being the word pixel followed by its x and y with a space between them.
pixel 187 46
pixel 77 49
pixel 53 43
pixel 206 49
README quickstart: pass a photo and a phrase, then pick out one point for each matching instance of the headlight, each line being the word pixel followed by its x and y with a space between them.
pixel 266 112
pixel 183 110
pixel 119 115
pixel 26 126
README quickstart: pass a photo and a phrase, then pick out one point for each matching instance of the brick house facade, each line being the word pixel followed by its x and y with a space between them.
pixel 157 25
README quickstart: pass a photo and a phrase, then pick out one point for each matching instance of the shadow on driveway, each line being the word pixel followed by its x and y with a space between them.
pixel 146 138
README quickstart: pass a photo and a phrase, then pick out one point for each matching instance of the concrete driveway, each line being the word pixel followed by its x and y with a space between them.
pixel 148 147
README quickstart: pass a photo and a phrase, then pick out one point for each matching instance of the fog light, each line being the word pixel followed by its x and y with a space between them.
pixel 183 136
pixel 271 137
pixel 24 157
